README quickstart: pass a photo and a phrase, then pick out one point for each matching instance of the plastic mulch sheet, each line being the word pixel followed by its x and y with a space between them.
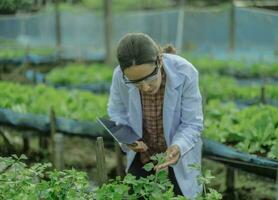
pixel 234 158
pixel 97 88
pixel 42 123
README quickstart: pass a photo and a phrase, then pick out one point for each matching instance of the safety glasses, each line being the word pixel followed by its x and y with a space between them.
pixel 150 77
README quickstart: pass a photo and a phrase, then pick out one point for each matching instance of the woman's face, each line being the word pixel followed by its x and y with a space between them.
pixel 148 74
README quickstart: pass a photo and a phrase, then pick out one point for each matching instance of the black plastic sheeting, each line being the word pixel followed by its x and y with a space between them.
pixel 246 103
pixel 97 88
pixel 257 81
pixel 234 158
pixel 212 150
pixel 42 123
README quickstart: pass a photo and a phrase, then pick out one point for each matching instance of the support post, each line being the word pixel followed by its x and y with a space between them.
pixel 43 145
pixel 57 146
pixel 100 158
pixel 232 27
pixel 52 130
pixel 120 163
pixel 108 31
pixel 58 28
pixel 26 144
pixel 180 27
pixel 277 184
pixel 58 155
pixel 263 96
pixel 230 184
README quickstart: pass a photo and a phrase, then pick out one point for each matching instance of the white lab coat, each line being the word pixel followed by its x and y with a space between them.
pixel 182 116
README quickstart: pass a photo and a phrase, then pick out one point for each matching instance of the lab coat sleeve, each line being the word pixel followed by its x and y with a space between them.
pixel 116 108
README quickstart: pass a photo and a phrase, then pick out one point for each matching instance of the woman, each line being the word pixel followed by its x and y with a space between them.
pixel 157 94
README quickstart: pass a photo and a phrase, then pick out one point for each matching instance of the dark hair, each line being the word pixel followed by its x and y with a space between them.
pixel 139 48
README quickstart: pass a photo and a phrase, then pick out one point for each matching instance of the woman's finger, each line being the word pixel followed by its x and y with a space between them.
pixel 141 147
pixel 171 158
pixel 166 164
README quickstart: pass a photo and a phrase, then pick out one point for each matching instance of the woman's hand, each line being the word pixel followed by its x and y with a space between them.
pixel 139 147
pixel 172 156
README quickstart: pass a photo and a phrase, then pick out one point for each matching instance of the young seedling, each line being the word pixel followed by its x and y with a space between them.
pixel 205 180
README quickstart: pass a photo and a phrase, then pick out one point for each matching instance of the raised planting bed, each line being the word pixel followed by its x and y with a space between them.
pixel 38 99
pixel 237 159
pixel 77 74
pixel 215 86
pixel 252 129
pixel 236 68
pixel 213 150
pixel 95 78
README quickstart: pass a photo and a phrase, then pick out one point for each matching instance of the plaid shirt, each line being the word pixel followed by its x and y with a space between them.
pixel 152 107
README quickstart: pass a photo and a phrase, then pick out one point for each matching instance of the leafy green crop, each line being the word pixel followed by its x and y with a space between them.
pixel 80 74
pixel 119 5
pixel 16 51
pixel 242 68
pixel 20 182
pixel 253 129
pixel 214 86
pixel 38 100
pixel 155 187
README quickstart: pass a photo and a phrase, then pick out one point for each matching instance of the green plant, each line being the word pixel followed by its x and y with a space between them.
pixel 14 51
pixel 39 181
pixel 252 129
pixel 215 86
pixel 71 104
pixel 11 6
pixel 153 187
pixel 204 180
pixel 20 182
pixel 80 74
pixel 156 186
pixel 232 67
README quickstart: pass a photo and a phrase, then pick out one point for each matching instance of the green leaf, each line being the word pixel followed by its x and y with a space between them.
pixel 23 157
pixel 149 166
